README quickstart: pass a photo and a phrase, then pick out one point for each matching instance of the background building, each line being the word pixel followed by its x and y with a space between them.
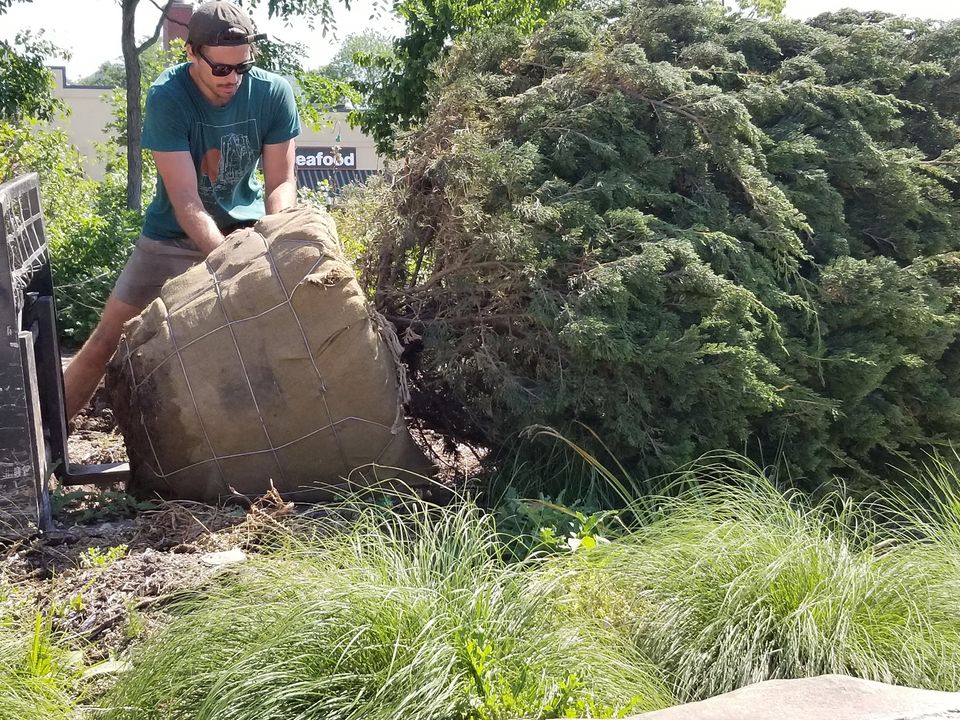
pixel 87 119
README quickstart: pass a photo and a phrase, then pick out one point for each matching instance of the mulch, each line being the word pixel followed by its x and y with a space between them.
pixel 107 582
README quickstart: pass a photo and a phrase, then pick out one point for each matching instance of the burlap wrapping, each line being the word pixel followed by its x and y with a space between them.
pixel 263 364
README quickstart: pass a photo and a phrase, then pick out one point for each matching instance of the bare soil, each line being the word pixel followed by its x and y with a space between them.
pixel 108 572
pixel 94 438
pixel 107 583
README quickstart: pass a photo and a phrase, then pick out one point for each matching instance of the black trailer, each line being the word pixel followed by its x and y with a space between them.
pixel 33 428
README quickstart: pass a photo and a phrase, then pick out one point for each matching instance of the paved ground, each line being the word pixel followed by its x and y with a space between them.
pixel 829 697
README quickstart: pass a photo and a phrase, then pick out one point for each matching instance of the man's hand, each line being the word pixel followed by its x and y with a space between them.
pixel 279 176
pixel 180 179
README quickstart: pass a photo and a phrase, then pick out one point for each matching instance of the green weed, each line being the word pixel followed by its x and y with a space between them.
pixel 135 627
pixel 83 506
pixel 547 525
pixel 38 679
pixel 97 558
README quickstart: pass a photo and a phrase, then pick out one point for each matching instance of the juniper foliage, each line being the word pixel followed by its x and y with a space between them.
pixel 686 229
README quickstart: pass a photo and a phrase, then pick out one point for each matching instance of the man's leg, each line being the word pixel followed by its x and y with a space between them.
pixel 149 266
pixel 83 374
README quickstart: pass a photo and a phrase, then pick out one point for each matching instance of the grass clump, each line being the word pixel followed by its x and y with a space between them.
pixel 419 612
pixel 731 581
pixel 38 680
pixel 411 612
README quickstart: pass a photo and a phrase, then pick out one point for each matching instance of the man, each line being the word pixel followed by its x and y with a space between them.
pixel 208 122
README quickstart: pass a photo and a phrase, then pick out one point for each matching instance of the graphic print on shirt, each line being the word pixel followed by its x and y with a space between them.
pixel 231 156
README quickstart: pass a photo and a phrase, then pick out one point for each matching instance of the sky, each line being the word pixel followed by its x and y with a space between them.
pixel 90 29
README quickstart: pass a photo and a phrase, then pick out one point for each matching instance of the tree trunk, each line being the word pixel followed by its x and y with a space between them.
pixel 131 64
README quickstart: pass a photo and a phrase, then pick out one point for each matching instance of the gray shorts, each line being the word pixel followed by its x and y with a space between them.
pixel 150 265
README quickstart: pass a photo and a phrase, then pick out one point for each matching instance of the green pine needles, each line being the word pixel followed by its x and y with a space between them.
pixel 686 229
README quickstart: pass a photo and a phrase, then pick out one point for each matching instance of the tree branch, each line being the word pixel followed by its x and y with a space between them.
pixel 156 32
pixel 670 107
pixel 164 11
pixel 504 322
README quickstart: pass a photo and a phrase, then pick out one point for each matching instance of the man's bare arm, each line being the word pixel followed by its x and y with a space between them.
pixel 279 176
pixel 180 179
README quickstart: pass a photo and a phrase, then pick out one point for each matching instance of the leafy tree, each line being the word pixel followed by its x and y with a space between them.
pixel 280 57
pixel 7 4
pixel 321 95
pixel 685 229
pixel 396 90
pixel 133 82
pixel 766 8
pixel 329 87
pixel 153 61
pixel 361 58
pixel 109 74
pixel 25 82
pixel 89 231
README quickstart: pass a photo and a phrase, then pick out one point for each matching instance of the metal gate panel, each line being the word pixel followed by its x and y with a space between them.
pixel 24 264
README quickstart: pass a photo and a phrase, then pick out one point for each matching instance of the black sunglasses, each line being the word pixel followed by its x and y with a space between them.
pixel 223 69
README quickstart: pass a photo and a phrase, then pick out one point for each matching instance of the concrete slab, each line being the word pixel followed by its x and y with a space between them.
pixel 828 697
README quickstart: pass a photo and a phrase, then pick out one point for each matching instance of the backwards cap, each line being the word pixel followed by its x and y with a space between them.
pixel 220 23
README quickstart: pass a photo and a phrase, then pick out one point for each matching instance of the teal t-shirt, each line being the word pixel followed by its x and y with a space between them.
pixel 225 143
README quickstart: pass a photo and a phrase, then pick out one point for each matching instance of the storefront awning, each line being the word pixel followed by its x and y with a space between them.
pixel 337 177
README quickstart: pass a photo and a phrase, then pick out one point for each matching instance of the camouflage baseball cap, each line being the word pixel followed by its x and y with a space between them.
pixel 220 23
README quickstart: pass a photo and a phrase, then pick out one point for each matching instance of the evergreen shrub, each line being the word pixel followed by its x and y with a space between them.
pixel 685 229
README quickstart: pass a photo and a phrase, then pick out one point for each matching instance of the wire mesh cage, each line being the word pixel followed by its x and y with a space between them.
pixel 24 276
pixel 24 239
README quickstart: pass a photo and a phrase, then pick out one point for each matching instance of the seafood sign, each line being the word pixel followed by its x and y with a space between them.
pixel 345 157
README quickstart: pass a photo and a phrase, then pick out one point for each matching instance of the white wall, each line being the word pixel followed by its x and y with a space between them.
pixel 90 112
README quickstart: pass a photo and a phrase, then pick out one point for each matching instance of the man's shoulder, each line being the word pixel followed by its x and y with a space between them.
pixel 266 78
pixel 171 79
